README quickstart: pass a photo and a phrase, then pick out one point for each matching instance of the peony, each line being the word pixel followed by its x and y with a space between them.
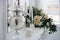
pixel 36 20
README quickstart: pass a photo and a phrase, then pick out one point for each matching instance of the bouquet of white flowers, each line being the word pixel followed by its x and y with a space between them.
pixel 41 20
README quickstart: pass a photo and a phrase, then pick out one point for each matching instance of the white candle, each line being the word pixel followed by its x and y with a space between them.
pixel 30 8
pixel 25 6
pixel 15 4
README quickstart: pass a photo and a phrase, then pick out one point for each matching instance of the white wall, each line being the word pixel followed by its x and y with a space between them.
pixel 1 13
pixel 3 19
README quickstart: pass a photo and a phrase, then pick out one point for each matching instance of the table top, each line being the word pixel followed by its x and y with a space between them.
pixel 33 34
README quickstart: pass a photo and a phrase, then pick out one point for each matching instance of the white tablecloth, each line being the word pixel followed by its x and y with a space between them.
pixel 35 35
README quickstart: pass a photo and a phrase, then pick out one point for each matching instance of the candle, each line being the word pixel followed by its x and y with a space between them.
pixel 30 9
pixel 25 6
pixel 18 3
